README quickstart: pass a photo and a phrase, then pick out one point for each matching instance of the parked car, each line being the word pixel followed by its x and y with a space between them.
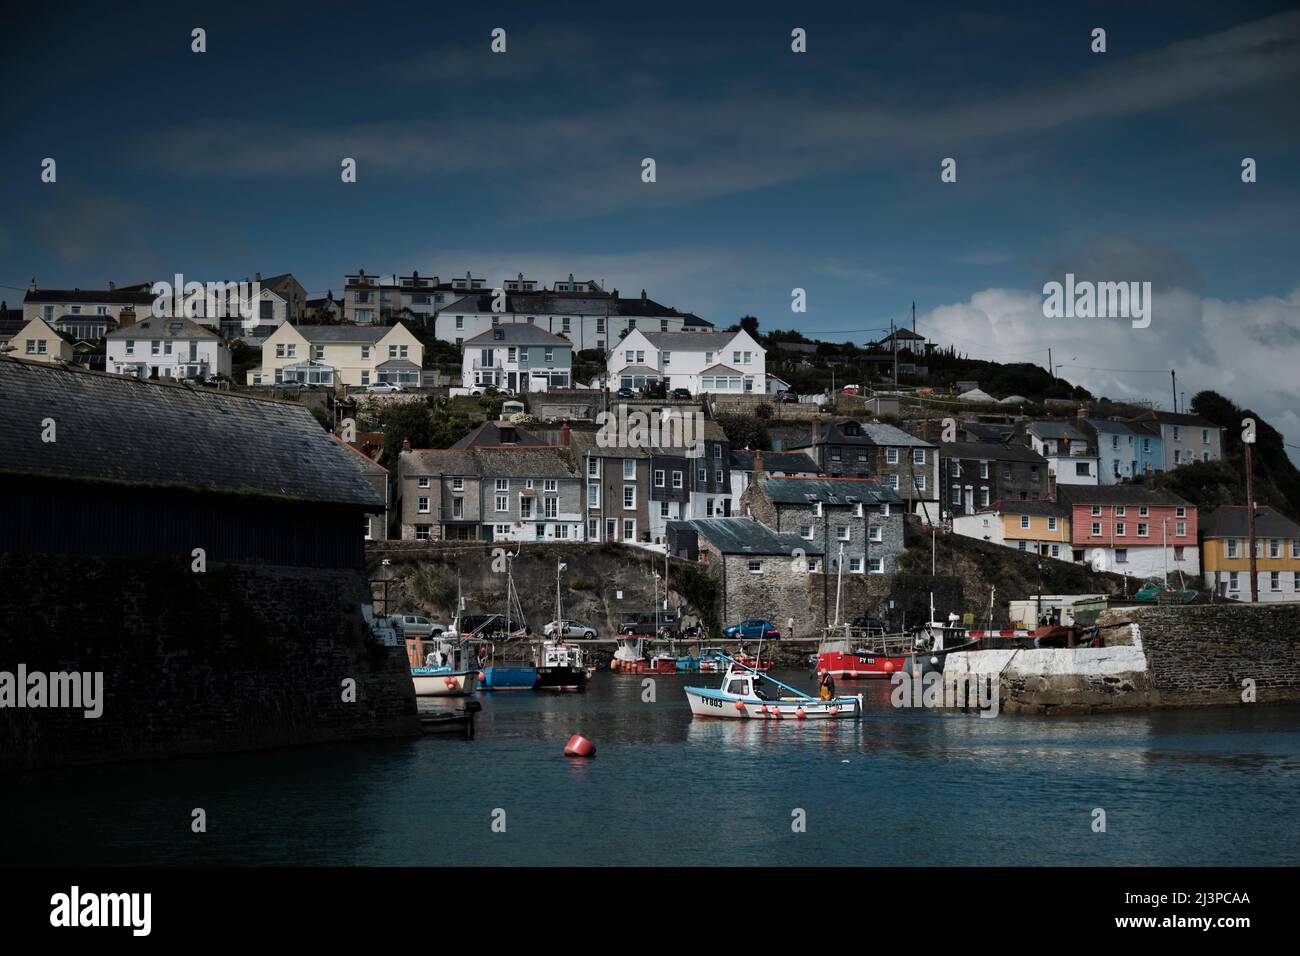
pixel 569 629
pixel 413 625
pixel 494 389
pixel 655 390
pixel 753 629
pixel 380 387
pixel 626 393
pixel 869 624
pixel 785 396
pixel 652 623
pixel 683 394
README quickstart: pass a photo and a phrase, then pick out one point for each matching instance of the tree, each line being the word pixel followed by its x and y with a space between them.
pixel 744 431
pixel 407 420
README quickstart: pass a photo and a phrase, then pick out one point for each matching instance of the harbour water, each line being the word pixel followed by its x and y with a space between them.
pixel 1193 787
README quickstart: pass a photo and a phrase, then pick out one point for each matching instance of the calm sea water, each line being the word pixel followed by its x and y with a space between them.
pixel 1204 787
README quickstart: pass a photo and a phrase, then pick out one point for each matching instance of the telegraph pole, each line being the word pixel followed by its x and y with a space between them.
pixel 1173 379
pixel 893 337
pixel 1250 523
pixel 1051 369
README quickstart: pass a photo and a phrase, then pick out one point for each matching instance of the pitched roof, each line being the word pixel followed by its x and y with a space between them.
pixel 746 536
pixel 489 434
pixel 1071 495
pixel 871 433
pixel 690 341
pixel 518 333
pixel 121 296
pixel 829 491
pixel 993 451
pixel 1175 418
pixel 544 461
pixel 363 334
pixel 1028 506
pixel 164 327
pixel 1110 426
pixel 138 432
pixel 1056 430
pixel 1229 521
pixel 774 461
pixel 989 431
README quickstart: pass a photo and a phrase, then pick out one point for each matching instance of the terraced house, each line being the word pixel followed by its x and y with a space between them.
pixel 1071 455
pixel 1132 529
pixel 505 493
pixel 337 355
pixel 1033 526
pixel 1225 554
pixel 973 475
pixel 617 482
pixel 857 524
pixel 1184 438
pixel 1125 450
pixel 900 461
pixel 519 357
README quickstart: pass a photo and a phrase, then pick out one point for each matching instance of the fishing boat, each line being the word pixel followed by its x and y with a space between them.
pixel 743 695
pixel 442 667
pixel 848 653
pixel 630 658
pixel 560 665
pixel 510 664
pixel 712 660
pixel 933 641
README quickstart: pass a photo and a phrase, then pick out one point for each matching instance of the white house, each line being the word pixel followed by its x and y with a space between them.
pixel 721 362
pixel 165 347
pixel 1071 455
pixel 517 356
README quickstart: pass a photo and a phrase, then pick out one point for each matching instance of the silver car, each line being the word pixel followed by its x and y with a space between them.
pixel 412 625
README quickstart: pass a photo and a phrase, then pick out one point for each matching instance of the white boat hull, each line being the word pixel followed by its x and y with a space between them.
pixel 443 684
pixel 712 703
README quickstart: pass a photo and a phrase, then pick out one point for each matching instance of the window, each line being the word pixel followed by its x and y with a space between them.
pixel 805 531
pixel 423 505
pixel 717 476
pixel 875 566
pixel 1143 530
pixel 841 533
pixel 984 469
pixel 1082 468
pixel 918 456
pixel 1096 529
pixel 525 506
pixel 1143 511
pixel 503 484
pixel 893 482
pixel 754 567
pixel 1051 523
pixel 629 497
pixel 891 456
pixel 1120 511
pixel 1024 521
pixel 855 565
pixel 593 529
pixel 423 532
pixel 873 533
pixel 956 494
pixel 1274 581
pixel 593 467
pixel 551 507
pixel 666 357
pixel 629 529
pixel 659 478
pixel 1230 548
pixel 424 482
pixel 458 484
pixel 663 509
pixel 501 530
pixel 920 482
pixel 1096 511
pixel 593 496
pixel 503 502
pixel 1274 548
pixel 1205 436
pixel 884 510
pixel 550 484
pixel 1180 529
pixel 955 470
pixel 1180 512
pixel 1119 529
pixel 677 479
pixel 702 475
pixel 984 497
pixel 1121 555
pixel 629 469
pixel 1233 584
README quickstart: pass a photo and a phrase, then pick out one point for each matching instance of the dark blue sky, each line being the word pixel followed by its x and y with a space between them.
pixel 775 170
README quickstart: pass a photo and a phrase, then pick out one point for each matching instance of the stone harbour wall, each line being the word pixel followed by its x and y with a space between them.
pixel 235 658
pixel 1154 657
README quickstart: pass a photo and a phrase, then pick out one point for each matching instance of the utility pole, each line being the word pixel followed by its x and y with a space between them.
pixel 1051 369
pixel 913 316
pixel 1173 378
pixel 893 337
pixel 1250 523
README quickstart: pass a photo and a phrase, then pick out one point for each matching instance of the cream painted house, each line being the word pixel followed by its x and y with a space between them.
pixel 340 355
pixel 38 342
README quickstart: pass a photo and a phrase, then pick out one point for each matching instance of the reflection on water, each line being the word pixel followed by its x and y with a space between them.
pixel 908 787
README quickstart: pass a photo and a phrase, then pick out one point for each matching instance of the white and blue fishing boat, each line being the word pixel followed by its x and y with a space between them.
pixel 748 694
pixel 447 668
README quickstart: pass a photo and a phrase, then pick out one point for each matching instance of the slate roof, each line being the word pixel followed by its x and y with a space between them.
pixel 156 434
pixel 362 334
pixel 1229 521
pixel 1057 431
pixel 489 434
pixel 774 461
pixel 123 296
pixel 163 327
pixel 583 443
pixel 1071 495
pixel 1175 418
pixel 829 491
pixel 518 333
pixel 873 433
pixel 991 450
pixel 746 536
pixel 494 462
pixel 690 341
pixel 1028 506
pixel 1110 427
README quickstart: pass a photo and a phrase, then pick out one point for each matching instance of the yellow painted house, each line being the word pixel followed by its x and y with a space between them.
pixel 38 342
pixel 355 355
pixel 1037 527
pixel 1225 554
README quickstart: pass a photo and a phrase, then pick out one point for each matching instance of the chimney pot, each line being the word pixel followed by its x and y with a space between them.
pixel 565 434
pixel 257 276
pixel 406 444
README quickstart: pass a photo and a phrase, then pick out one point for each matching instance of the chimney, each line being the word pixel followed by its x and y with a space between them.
pixel 758 464
pixel 126 317
pixel 565 435
pixel 643 295
pixel 32 287
pixel 1083 411
pixel 415 273
pixel 406 443
pixel 111 285
pixel 257 277
pixel 615 291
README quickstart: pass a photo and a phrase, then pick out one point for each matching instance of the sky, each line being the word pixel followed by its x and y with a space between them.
pixel 775 170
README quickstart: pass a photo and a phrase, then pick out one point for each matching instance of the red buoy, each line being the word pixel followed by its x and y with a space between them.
pixel 740 705
pixel 579 746
pixel 449 681
pixel 800 713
